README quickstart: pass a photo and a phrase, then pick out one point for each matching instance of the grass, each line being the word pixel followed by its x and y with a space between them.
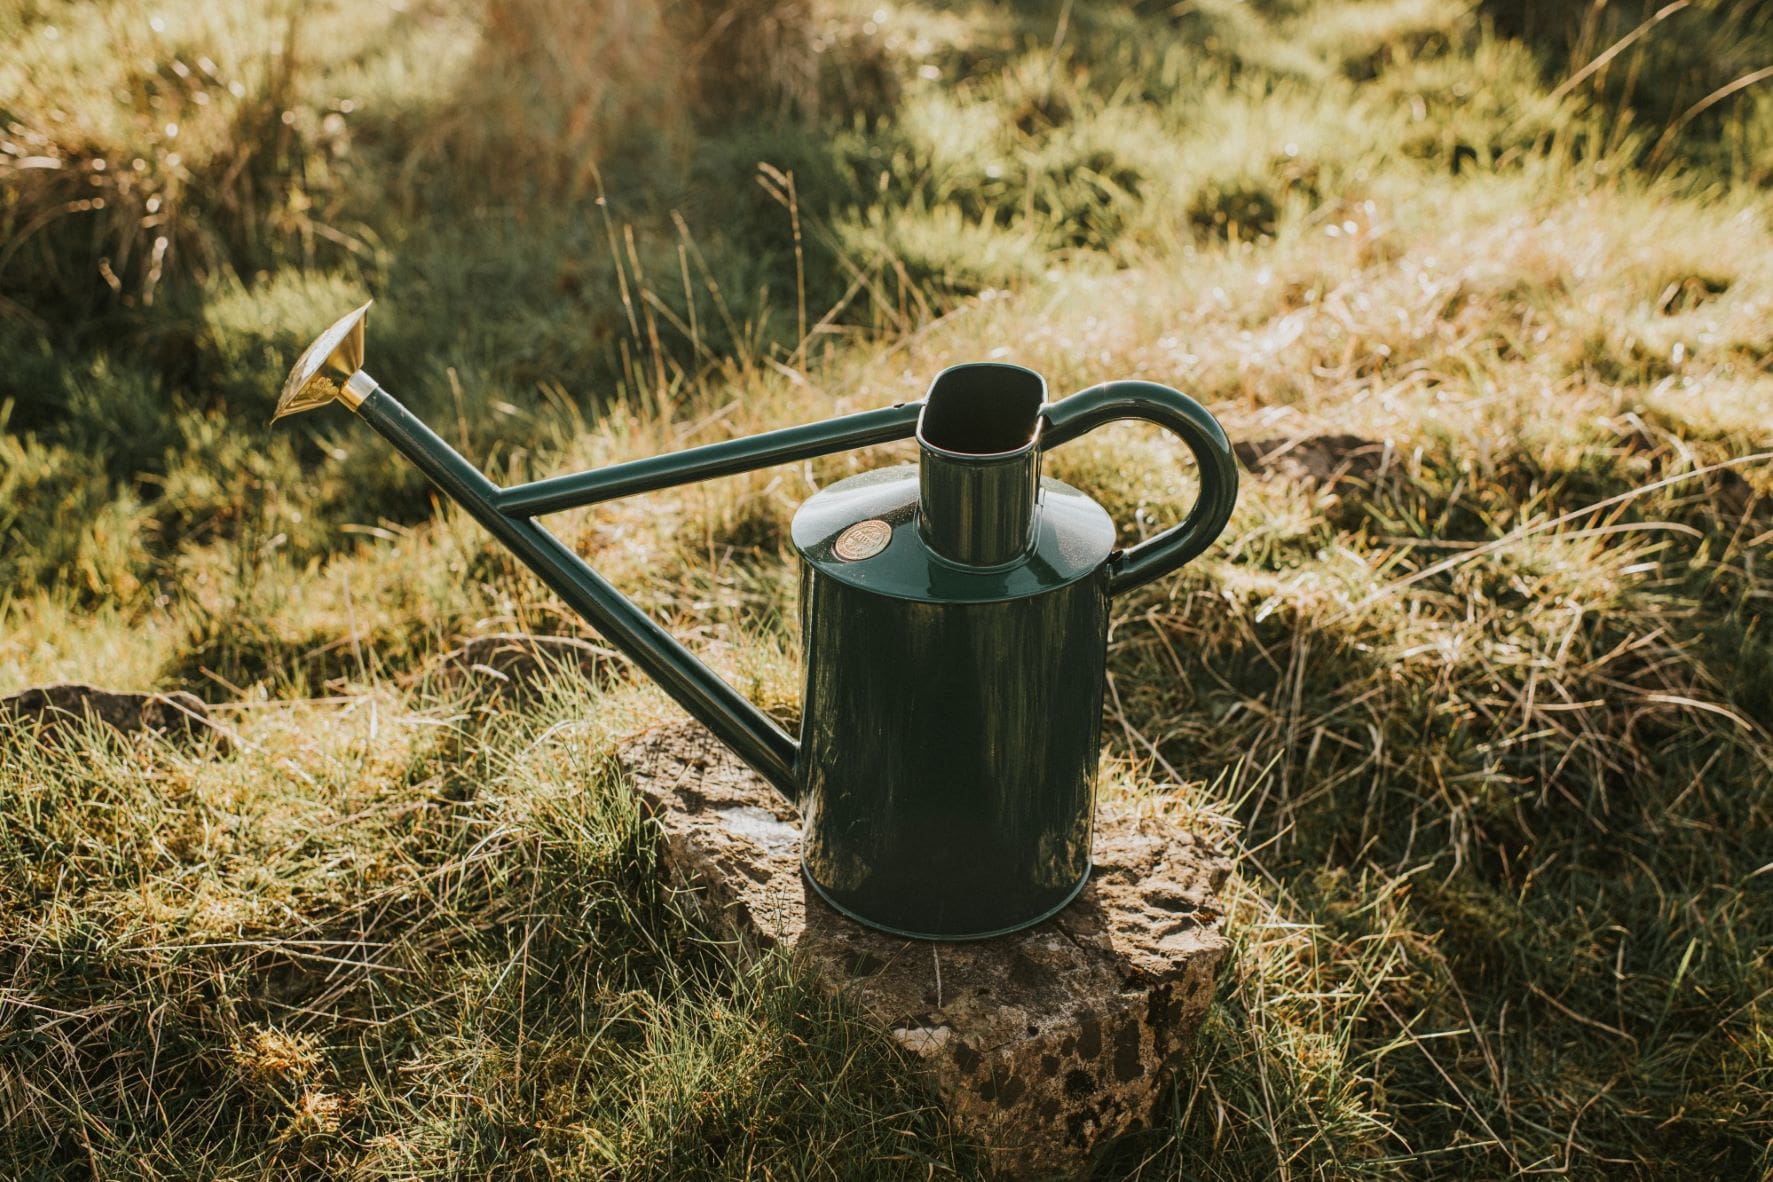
pixel 1486 719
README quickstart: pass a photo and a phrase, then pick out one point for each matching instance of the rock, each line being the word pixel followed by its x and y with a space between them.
pixel 1736 499
pixel 1323 459
pixel 1042 1044
pixel 177 715
pixel 511 664
pixel 1733 499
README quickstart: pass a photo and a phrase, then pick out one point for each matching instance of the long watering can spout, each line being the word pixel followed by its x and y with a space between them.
pixel 509 514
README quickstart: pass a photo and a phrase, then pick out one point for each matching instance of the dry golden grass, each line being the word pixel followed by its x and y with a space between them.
pixel 1482 704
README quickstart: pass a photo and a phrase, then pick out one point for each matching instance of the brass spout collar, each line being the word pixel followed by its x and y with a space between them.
pixel 357 387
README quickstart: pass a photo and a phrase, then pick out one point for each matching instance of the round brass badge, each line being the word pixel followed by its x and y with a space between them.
pixel 864 539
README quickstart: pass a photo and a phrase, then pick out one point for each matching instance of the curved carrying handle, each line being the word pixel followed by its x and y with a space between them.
pixel 1088 409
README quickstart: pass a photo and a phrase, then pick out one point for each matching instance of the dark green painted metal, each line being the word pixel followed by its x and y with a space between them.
pixel 751 733
pixel 1155 557
pixel 949 753
pixel 715 459
pixel 953 700
pixel 951 714
pixel 979 462
pixel 954 666
pixel 1073 537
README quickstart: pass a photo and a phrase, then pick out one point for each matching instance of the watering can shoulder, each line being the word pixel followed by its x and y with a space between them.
pixel 863 532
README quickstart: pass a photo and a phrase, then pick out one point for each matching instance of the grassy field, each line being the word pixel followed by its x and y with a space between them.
pixel 1481 696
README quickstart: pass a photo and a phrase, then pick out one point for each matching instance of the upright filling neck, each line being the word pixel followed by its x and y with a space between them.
pixel 979 462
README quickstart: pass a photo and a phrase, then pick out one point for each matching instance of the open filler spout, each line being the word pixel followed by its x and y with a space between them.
pixel 954 615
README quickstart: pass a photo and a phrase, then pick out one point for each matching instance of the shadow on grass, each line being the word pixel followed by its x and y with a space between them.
pixel 1520 814
pixel 472 969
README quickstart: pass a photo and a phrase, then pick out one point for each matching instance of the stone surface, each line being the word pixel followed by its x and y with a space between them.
pixel 178 715
pixel 1322 459
pixel 1043 1043
pixel 512 664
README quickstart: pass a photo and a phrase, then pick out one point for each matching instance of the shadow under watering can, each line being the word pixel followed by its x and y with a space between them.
pixel 954 614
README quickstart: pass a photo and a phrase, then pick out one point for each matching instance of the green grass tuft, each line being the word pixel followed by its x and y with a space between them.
pixel 1478 686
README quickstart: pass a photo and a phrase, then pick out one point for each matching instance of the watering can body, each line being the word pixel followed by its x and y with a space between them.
pixel 954 625
pixel 953 685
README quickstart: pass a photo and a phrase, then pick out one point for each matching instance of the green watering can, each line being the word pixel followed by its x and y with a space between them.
pixel 954 619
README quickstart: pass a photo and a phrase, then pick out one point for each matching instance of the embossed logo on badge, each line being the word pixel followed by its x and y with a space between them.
pixel 864 539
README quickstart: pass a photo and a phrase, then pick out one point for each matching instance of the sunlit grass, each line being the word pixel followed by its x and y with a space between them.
pixel 1485 717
